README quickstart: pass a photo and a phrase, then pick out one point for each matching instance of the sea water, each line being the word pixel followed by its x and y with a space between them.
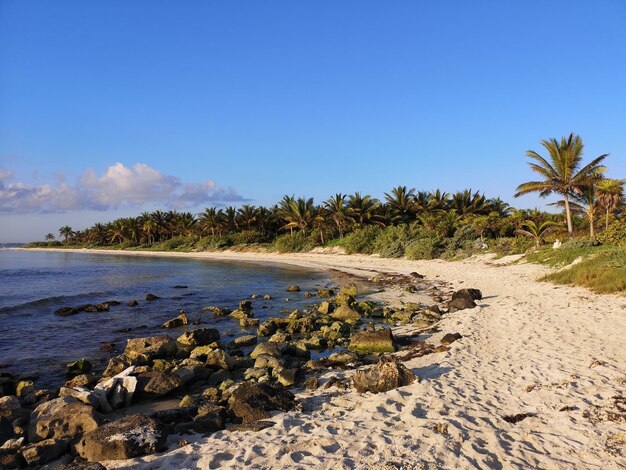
pixel 33 284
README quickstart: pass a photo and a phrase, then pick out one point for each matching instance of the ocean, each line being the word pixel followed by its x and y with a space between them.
pixel 37 343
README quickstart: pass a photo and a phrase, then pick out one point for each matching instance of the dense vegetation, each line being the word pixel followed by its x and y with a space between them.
pixel 407 222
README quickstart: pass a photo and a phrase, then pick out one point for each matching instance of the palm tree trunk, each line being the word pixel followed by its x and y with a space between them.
pixel 606 221
pixel 568 216
pixel 591 228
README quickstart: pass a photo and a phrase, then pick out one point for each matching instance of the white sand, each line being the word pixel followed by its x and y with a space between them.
pixel 530 347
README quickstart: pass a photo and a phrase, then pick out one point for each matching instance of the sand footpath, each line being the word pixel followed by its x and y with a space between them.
pixel 553 355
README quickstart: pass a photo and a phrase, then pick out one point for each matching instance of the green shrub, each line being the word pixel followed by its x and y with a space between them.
pixel 248 237
pixel 180 243
pixel 362 240
pixel 294 243
pixel 424 248
pixel 392 241
pixel 213 242
pixel 512 245
pixel 615 234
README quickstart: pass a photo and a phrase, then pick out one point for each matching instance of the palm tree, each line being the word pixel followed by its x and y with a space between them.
pixel 66 232
pixel 247 215
pixel 401 203
pixel 438 201
pixel 362 209
pixel 49 237
pixel 466 202
pixel 537 232
pixel 118 231
pixel 149 228
pixel 299 213
pixel 561 174
pixel 210 219
pixel 610 194
pixel 336 208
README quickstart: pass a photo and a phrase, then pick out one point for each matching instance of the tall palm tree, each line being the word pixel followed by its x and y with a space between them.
pixel 362 209
pixel 562 174
pixel 210 219
pixel 49 237
pixel 610 194
pixel 400 201
pixel 298 213
pixel 336 207
pixel 467 202
pixel 247 215
pixel 66 232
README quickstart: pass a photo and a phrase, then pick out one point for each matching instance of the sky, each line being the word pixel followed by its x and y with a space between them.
pixel 110 108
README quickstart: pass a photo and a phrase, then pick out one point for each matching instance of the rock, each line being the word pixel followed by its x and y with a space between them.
pixel 269 362
pixel 460 303
pixel 386 375
pixel 271 326
pixel 118 364
pixel 346 314
pixel 325 308
pixel 132 303
pixel 82 380
pixel 256 373
pixel 199 337
pixel 151 297
pixel 66 311
pixel 217 311
pixel 61 418
pixel 151 348
pixel 253 401
pixel 287 377
pixel 434 308
pixel 267 297
pixel 244 341
pixel 265 348
pixel 220 359
pixel 80 393
pixel 344 358
pixel 296 349
pixel 293 288
pixel 279 337
pixel 325 293
pixel 157 383
pixel 201 352
pixel 10 408
pixel 126 438
pixel 45 451
pixel 241 314
pixel 450 338
pixel 249 322
pixel 245 305
pixel 12 445
pixel 116 392
pixel 312 383
pixel 210 418
pixel 470 294
pixel 81 466
pixel 180 320
pixel 254 427
pixel 6 430
pixel 82 366
pixel 370 342
pixel 24 388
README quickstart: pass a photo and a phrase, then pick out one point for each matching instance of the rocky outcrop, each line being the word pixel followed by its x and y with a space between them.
pixel 82 366
pixel 150 348
pixel 45 451
pixel 253 401
pixel 346 314
pixel 157 383
pixel 199 337
pixel 220 360
pixel 371 342
pixel 268 348
pixel 61 418
pixel 10 408
pixel 386 375
pixel 126 438
pixel 293 288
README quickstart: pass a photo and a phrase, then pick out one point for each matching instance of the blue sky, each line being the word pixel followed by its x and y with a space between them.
pixel 108 108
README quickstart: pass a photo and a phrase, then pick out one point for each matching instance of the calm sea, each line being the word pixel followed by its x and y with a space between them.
pixel 35 341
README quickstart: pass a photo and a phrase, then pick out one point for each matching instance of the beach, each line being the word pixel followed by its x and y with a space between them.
pixel 550 359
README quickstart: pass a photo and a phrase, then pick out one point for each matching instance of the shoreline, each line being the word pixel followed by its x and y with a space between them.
pixel 552 355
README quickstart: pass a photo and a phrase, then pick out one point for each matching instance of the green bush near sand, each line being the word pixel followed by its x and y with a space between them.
pixel 602 272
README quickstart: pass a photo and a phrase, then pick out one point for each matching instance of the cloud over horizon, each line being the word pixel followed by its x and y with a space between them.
pixel 119 186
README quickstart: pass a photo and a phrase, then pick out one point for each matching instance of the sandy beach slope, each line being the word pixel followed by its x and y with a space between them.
pixel 555 353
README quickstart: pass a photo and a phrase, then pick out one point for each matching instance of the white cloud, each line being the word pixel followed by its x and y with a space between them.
pixel 119 186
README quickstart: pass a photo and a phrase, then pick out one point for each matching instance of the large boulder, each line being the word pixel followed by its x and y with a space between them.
pixel 157 383
pixel 471 294
pixel 199 337
pixel 45 451
pixel 386 375
pixel 268 348
pixel 220 359
pixel 61 418
pixel 150 348
pixel 460 303
pixel 370 342
pixel 126 438
pixel 253 401
pixel 345 313
pixel 82 366
pixel 10 408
